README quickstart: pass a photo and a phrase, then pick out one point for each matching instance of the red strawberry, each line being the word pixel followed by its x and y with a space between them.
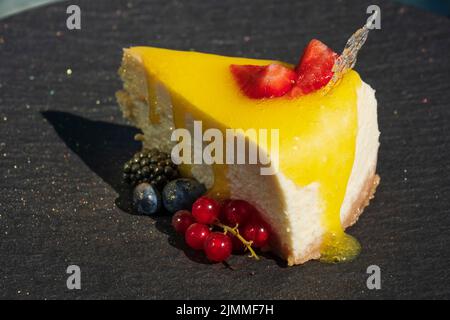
pixel 314 68
pixel 273 80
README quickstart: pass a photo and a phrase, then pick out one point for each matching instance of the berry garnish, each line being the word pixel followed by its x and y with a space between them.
pixel 242 231
pixel 182 220
pixel 273 80
pixel 236 212
pixel 151 166
pixel 257 232
pixel 217 246
pixel 314 69
pixel 146 199
pixel 181 193
pixel 205 210
pixel 196 235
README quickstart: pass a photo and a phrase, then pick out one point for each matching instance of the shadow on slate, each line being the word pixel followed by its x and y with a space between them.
pixel 104 147
pixel 101 146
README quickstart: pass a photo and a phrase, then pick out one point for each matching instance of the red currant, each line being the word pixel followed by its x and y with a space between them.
pixel 218 246
pixel 257 232
pixel 196 235
pixel 237 212
pixel 205 210
pixel 181 220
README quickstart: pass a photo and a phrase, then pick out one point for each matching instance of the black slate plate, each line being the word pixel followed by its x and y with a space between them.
pixel 62 141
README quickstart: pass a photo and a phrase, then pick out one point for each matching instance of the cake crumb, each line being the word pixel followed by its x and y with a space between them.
pixel 139 137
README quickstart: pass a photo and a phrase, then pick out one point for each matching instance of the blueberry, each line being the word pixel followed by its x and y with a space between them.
pixel 146 199
pixel 180 194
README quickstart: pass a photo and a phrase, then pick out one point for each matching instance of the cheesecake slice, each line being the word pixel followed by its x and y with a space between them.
pixel 327 154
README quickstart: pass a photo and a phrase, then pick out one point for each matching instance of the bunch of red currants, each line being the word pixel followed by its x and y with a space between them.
pixel 220 229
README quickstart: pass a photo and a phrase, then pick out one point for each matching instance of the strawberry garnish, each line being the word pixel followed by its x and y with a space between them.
pixel 314 68
pixel 313 72
pixel 273 80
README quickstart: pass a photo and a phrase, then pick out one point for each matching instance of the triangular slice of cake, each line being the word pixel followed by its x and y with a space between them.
pixel 327 143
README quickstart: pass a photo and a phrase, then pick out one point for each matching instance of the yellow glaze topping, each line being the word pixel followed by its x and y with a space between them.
pixel 317 132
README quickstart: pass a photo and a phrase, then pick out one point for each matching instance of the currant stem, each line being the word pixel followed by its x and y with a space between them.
pixel 235 232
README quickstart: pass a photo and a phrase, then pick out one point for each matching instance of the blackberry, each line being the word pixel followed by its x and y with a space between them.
pixel 152 166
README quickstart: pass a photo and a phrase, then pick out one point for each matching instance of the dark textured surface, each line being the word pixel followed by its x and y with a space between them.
pixel 62 141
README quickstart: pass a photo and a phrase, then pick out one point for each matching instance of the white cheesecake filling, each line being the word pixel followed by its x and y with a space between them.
pixel 367 143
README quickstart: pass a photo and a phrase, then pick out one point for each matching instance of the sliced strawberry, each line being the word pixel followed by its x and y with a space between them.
pixel 273 80
pixel 314 68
